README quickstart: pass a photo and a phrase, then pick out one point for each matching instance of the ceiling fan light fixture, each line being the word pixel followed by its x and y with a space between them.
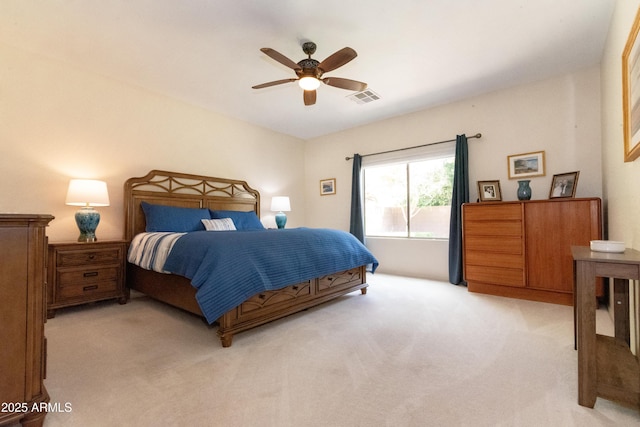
pixel 309 83
pixel 309 72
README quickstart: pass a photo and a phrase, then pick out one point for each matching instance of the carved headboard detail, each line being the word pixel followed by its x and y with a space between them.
pixel 184 190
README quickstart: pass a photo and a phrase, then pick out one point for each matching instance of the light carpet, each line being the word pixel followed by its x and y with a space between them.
pixel 411 352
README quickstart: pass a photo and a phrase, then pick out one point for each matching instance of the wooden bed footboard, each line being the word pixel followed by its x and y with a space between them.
pixel 260 309
pixel 272 305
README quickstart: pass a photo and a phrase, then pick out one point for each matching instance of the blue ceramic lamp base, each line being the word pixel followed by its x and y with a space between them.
pixel 87 220
pixel 281 219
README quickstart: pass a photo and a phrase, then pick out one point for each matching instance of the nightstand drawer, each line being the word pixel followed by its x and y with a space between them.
pixel 83 276
pixel 69 258
pixel 86 290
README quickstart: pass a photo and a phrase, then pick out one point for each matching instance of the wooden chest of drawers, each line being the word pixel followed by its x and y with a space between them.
pixel 494 244
pixel 23 349
pixel 523 249
pixel 85 272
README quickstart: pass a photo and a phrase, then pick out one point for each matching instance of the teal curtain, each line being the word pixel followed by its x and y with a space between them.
pixel 356 226
pixel 460 196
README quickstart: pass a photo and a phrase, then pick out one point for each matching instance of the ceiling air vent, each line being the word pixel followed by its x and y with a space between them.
pixel 364 97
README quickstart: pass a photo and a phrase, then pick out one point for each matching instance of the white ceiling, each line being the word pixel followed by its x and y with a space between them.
pixel 414 54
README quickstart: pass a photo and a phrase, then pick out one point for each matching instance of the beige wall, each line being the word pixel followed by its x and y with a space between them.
pixel 560 116
pixel 621 180
pixel 59 122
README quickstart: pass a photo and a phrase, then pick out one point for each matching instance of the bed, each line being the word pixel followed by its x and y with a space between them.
pixel 178 191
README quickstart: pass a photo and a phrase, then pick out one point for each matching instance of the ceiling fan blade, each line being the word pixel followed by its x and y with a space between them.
pixel 338 59
pixel 345 83
pixel 280 58
pixel 309 97
pixel 277 82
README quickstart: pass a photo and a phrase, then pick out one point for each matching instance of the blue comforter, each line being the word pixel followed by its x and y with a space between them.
pixel 228 267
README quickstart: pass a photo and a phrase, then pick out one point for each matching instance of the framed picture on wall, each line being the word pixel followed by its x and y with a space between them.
pixel 489 191
pixel 564 185
pixel 526 165
pixel 327 186
pixel 630 93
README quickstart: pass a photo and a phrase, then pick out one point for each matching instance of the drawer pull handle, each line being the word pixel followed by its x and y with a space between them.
pixel 330 278
pixel 262 296
pixel 90 288
pixel 295 288
pixel 92 256
pixel 91 274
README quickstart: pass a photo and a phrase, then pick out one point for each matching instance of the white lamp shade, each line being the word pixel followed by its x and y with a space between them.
pixel 280 204
pixel 87 192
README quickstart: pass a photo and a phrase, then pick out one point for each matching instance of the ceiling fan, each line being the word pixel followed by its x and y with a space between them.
pixel 310 71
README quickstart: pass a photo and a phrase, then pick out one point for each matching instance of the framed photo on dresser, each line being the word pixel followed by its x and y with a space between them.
pixel 564 185
pixel 489 191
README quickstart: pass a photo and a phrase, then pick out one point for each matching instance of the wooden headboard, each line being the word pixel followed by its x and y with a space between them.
pixel 184 190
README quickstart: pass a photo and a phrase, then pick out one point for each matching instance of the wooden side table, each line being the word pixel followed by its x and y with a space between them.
pixel 85 272
pixel 606 366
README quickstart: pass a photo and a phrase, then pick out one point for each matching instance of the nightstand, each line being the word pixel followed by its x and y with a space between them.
pixel 79 273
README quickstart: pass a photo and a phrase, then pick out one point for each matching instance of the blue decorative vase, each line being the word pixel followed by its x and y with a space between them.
pixel 524 191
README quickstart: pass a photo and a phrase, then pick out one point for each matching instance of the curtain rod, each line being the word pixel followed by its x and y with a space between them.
pixel 477 135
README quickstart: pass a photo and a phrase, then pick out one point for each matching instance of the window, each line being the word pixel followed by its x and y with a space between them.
pixel 409 197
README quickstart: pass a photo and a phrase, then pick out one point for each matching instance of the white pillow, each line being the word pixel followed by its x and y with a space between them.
pixel 224 224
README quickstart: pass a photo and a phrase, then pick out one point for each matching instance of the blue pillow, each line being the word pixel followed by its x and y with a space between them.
pixel 173 218
pixel 242 220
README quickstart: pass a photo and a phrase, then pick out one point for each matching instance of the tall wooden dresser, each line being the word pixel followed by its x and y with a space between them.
pixel 23 249
pixel 522 249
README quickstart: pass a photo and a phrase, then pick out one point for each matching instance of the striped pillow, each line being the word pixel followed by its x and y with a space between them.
pixel 223 224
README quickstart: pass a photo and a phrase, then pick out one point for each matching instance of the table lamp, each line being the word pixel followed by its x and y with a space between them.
pixel 87 193
pixel 280 204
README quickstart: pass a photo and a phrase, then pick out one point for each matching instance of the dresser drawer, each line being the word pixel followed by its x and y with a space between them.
pixel 493 228
pixel 491 212
pixel 492 246
pixel 495 275
pixel 70 258
pixel 86 291
pixel 83 276
pixel 480 258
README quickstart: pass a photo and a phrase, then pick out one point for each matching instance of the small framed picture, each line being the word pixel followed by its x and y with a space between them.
pixel 489 191
pixel 327 186
pixel 564 185
pixel 526 165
